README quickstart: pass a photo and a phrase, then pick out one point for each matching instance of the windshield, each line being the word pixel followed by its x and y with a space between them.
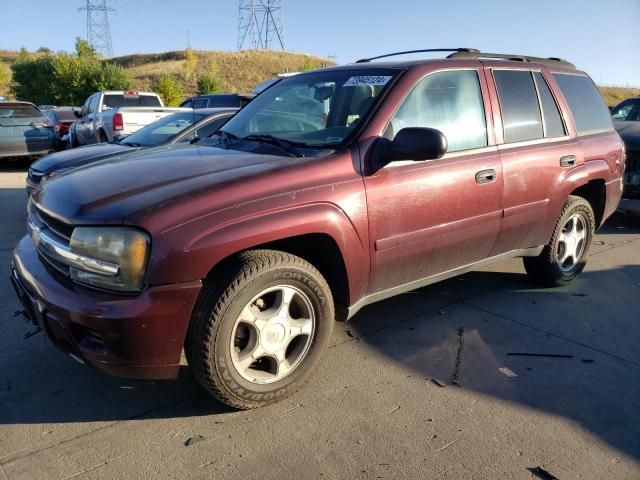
pixel 162 130
pixel 315 109
pixel 628 111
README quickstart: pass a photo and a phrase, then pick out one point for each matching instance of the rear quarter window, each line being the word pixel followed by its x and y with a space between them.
pixel 588 110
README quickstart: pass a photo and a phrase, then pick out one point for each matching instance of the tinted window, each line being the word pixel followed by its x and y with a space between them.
pixel 121 100
pixel 627 111
pixel 552 121
pixel 450 102
pixel 587 106
pixel 200 103
pixel 19 111
pixel 224 101
pixel 63 115
pixel 519 106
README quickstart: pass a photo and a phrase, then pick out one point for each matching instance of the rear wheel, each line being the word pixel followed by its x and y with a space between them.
pixel 259 328
pixel 565 256
pixel 102 137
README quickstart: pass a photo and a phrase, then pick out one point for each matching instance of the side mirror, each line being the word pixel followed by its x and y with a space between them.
pixel 77 113
pixel 416 144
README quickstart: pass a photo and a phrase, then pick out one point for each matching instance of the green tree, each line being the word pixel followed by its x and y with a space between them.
pixel 169 89
pixel 5 79
pixel 43 50
pixel 207 83
pixel 65 79
pixel 84 49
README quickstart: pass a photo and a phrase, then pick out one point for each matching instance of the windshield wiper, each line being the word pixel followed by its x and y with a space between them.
pixel 225 137
pixel 287 145
pixel 131 144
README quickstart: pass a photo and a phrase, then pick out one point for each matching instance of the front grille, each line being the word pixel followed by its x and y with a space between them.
pixel 62 231
pixel 56 229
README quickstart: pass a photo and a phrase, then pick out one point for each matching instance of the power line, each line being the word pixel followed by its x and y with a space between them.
pixel 260 24
pixel 98 32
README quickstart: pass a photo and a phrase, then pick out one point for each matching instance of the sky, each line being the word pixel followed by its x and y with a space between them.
pixel 599 37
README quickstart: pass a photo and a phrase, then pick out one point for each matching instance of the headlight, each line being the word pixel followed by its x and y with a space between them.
pixel 126 247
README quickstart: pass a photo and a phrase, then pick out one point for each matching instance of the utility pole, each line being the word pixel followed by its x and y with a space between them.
pixel 260 25
pixel 98 32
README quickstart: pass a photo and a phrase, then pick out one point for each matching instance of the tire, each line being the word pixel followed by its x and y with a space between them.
pixel 228 328
pixel 556 266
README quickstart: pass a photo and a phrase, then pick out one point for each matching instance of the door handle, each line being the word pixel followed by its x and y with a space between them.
pixel 486 176
pixel 568 161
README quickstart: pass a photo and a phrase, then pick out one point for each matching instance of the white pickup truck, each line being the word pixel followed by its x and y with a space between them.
pixel 112 115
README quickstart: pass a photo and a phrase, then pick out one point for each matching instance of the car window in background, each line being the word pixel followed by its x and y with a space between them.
pixel 65 115
pixel 320 108
pixel 162 130
pixel 552 120
pixel 207 129
pixel 19 111
pixel 120 100
pixel 447 101
pixel 627 111
pixel 521 119
pixel 586 104
pixel 200 103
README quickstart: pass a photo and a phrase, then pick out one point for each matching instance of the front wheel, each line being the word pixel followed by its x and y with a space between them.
pixel 565 256
pixel 259 328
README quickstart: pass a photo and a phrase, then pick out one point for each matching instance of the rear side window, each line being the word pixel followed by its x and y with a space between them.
pixel 449 101
pixel 200 103
pixel 553 125
pixel 519 106
pixel 587 106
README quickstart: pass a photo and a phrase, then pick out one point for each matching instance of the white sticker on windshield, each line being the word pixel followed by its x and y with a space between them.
pixel 367 80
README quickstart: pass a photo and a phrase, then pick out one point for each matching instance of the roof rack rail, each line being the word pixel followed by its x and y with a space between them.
pixel 552 61
pixel 456 50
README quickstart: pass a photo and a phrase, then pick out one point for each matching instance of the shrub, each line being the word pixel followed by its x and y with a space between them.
pixel 169 89
pixel 208 84
pixel 65 79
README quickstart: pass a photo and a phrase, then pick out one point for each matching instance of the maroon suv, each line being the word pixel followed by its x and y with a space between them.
pixel 331 190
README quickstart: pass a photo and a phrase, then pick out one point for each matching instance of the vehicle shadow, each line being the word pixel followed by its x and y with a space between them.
pixel 494 314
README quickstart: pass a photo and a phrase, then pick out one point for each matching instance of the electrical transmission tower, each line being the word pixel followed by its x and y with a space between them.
pixel 98 32
pixel 260 25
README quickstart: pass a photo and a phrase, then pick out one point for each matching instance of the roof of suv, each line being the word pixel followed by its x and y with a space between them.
pixel 457 54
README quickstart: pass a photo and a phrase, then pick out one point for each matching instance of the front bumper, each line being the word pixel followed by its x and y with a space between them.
pixel 137 336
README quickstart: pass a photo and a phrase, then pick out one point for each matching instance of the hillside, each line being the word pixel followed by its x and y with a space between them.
pixel 235 71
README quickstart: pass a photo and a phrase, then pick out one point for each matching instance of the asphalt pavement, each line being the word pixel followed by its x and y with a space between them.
pixel 384 402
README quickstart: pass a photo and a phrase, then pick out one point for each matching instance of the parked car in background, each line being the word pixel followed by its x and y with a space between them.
pixel 44 108
pixel 267 83
pixel 24 130
pixel 217 100
pixel 61 118
pixel 242 250
pixel 179 127
pixel 626 119
pixel 112 115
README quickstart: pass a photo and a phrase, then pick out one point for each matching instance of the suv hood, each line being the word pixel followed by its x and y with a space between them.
pixel 112 190
pixel 78 157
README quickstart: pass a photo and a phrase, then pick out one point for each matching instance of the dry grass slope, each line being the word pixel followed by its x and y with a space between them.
pixel 236 71
pixel 614 95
